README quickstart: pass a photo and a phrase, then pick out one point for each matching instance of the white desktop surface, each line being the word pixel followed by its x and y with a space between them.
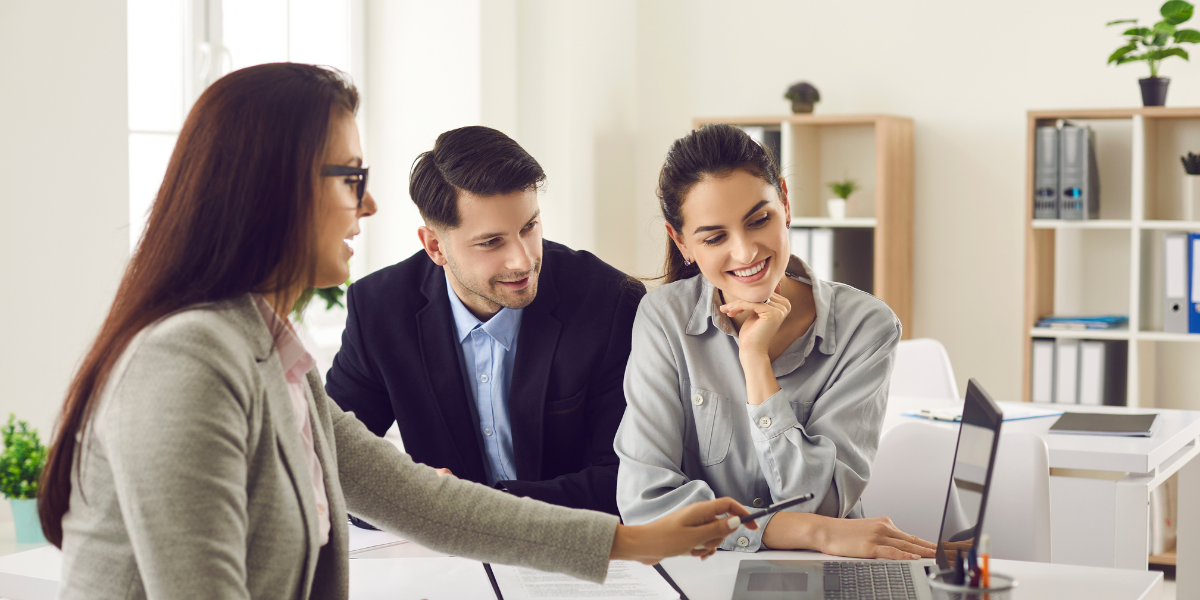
pixel 33 575
pixel 713 579
pixel 1173 431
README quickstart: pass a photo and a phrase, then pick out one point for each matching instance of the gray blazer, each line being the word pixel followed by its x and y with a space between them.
pixel 192 481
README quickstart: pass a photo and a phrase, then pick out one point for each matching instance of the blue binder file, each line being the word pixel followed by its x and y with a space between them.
pixel 1193 283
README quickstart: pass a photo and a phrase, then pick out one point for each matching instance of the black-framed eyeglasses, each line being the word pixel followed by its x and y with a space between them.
pixel 348 171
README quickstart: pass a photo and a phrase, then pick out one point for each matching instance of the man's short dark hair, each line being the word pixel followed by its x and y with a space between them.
pixel 474 159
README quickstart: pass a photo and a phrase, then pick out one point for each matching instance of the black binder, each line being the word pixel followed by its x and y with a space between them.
pixel 1104 424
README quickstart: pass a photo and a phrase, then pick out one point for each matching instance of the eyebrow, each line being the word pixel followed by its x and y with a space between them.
pixel 537 213
pixel 704 228
pixel 357 161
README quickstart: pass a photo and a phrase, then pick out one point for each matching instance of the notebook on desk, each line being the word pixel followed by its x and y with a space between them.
pixel 1079 423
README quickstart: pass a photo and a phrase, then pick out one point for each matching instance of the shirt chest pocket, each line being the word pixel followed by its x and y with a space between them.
pixel 713 415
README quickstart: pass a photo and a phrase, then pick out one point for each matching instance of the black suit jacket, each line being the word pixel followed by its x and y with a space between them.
pixel 399 361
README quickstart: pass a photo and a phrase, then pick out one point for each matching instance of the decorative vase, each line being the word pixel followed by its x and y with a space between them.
pixel 837 208
pixel 1191 193
pixel 1154 90
pixel 26 522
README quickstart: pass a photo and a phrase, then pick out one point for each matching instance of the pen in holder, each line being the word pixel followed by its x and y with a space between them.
pixel 944 588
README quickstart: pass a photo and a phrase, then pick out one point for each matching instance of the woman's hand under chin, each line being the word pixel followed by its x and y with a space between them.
pixel 754 337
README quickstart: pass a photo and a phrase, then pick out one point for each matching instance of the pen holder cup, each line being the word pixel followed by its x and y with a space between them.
pixel 1001 588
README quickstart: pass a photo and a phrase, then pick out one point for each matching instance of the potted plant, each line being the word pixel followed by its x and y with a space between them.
pixel 21 465
pixel 1154 44
pixel 841 189
pixel 803 96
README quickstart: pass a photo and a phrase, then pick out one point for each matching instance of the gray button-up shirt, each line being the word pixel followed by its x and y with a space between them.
pixel 689 435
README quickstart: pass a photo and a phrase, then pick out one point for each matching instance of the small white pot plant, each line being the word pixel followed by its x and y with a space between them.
pixel 1155 44
pixel 841 189
pixel 21 464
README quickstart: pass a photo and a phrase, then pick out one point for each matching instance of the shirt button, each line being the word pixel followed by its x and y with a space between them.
pixel 697 399
pixel 483 378
pixel 743 541
pixel 487 431
pixel 764 422
pixel 758 503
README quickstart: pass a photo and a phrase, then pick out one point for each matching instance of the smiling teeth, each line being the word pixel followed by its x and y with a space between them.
pixel 751 270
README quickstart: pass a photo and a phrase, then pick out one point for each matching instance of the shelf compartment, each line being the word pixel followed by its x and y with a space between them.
pixel 855 222
pixel 1089 224
pixel 1171 225
pixel 1120 333
pixel 1166 141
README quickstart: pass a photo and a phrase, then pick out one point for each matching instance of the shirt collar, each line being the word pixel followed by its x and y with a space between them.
pixel 293 356
pixel 708 305
pixel 503 326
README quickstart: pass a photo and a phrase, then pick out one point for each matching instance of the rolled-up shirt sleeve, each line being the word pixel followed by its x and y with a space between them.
pixel 832 452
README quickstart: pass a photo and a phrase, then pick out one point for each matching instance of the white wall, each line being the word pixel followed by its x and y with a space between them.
pixel 64 203
pixel 966 72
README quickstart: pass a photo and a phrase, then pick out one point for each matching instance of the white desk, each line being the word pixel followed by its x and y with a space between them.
pixel 713 579
pixel 33 575
pixel 1100 487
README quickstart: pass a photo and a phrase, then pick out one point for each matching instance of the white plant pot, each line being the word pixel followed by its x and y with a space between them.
pixel 1191 195
pixel 837 208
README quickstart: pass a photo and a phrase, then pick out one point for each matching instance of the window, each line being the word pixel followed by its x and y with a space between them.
pixel 178 47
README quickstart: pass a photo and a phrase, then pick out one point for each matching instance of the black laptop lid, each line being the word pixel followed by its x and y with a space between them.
pixel 978 439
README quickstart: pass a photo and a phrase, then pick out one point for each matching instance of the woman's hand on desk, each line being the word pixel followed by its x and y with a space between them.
pixel 697 529
pixel 854 538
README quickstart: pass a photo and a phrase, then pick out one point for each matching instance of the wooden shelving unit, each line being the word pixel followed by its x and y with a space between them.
pixel 875 150
pixel 1114 264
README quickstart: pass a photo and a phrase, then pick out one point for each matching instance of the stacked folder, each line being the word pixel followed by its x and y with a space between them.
pixel 1181 289
pixel 1066 183
pixel 1073 371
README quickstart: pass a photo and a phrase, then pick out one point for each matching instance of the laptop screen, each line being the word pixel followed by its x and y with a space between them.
pixel 978 438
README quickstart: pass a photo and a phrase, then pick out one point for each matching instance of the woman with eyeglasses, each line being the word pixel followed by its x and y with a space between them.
pixel 197 452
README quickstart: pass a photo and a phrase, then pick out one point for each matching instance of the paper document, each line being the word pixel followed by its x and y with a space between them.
pixel 418 579
pixel 626 579
pixel 954 414
pixel 362 540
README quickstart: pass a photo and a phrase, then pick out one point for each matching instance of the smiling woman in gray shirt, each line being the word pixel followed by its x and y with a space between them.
pixel 749 377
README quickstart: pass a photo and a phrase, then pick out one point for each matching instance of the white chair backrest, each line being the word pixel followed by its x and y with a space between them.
pixel 911 476
pixel 923 369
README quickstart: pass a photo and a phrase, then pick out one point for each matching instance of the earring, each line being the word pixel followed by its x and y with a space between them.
pixel 686 262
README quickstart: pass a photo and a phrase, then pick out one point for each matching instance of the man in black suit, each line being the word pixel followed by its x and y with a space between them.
pixel 500 355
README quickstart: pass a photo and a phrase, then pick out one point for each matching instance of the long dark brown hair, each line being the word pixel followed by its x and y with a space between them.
pixel 715 149
pixel 234 215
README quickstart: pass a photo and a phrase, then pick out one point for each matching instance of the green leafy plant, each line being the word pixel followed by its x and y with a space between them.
pixel 21 461
pixel 331 295
pixel 1154 44
pixel 843 189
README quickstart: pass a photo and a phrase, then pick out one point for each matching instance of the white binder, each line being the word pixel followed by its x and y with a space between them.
pixel 1066 371
pixel 1175 277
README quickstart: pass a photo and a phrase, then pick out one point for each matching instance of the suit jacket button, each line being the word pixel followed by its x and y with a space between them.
pixel 758 503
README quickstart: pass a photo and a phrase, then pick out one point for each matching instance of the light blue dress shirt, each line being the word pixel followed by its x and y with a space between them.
pixel 488 352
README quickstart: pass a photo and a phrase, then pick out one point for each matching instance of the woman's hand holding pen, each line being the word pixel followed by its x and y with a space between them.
pixel 754 342
pixel 696 529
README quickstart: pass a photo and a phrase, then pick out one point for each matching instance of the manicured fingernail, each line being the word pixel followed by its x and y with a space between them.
pixel 734 522
pixel 914 556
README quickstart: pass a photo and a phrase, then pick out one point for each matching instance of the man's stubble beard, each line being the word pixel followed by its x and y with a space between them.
pixel 524 298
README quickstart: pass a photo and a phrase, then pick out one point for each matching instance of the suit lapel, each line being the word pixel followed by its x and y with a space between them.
pixel 283 422
pixel 435 326
pixel 531 372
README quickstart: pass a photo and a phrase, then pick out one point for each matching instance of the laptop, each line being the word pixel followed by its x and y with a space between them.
pixel 962 520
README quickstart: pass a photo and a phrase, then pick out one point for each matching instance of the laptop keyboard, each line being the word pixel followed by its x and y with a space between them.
pixel 863 580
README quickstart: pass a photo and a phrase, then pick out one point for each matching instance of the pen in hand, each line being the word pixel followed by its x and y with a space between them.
pixel 735 521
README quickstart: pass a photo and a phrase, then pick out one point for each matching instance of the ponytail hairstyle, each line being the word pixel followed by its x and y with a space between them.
pixel 715 150
pixel 235 214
